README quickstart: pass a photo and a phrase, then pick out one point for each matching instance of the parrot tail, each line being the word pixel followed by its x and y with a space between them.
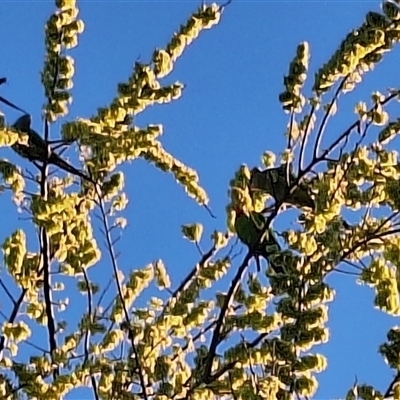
pixel 59 162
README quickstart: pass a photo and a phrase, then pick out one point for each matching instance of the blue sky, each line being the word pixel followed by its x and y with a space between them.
pixel 229 114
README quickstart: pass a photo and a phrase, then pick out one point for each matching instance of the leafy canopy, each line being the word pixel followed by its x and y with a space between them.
pixel 254 341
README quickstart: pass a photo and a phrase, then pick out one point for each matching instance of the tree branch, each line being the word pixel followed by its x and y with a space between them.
pixel 111 252
pixel 217 331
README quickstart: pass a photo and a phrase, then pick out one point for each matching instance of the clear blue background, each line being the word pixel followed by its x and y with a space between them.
pixel 229 114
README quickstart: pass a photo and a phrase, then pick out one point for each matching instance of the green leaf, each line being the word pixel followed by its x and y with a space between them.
pixel 192 232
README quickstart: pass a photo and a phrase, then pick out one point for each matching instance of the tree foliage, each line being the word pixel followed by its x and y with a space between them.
pixel 172 348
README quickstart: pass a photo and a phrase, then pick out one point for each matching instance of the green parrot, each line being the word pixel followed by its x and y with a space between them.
pixel 248 229
pixel 274 182
pixel 38 150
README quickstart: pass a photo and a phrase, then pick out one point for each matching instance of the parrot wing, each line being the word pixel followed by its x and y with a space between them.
pixel 274 182
pixel 249 228
pixel 271 181
pixel 258 220
pixel 37 149
pixel 261 180
pixel 246 230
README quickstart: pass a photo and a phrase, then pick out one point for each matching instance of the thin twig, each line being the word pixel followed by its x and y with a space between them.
pixel 7 292
pixel 326 116
pixel 304 138
pixel 13 315
pixel 111 252
pixel 217 331
pixel 87 332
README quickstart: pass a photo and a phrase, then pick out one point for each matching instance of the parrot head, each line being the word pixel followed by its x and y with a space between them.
pixel 240 210
pixel 23 123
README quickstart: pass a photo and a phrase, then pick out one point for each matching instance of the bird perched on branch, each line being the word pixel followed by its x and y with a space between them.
pixel 38 150
pixel 249 228
pixel 274 182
